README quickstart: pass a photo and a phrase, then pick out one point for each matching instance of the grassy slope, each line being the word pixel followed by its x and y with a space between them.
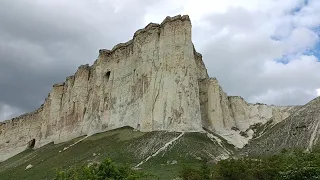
pixel 122 146
pixel 186 151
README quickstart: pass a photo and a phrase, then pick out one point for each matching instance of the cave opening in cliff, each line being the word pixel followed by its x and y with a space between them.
pixel 108 76
pixel 31 143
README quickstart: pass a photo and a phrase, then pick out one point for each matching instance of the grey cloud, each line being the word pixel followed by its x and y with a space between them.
pixel 7 111
pixel 42 42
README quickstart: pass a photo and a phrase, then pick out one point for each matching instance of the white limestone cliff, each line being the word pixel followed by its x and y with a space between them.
pixel 156 81
pixel 231 116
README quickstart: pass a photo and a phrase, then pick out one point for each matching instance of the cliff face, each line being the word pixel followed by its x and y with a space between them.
pixel 156 81
pixel 149 83
pixel 232 117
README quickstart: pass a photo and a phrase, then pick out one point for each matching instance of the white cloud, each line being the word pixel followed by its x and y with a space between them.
pixel 301 39
pixel 309 15
pixel 318 92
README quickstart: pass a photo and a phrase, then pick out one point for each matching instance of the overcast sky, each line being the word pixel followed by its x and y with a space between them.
pixel 263 50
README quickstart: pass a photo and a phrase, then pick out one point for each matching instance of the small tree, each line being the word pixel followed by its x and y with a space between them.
pixel 205 171
pixel 104 171
pixel 202 173
pixel 188 173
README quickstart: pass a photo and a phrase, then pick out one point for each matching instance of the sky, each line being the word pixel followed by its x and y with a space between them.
pixel 266 51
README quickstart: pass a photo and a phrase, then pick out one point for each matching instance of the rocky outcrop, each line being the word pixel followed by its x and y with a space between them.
pixel 301 130
pixel 231 116
pixel 154 82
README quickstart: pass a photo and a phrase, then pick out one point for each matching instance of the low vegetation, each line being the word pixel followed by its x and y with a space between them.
pixel 184 160
pixel 285 166
pixel 102 171
pixel 294 165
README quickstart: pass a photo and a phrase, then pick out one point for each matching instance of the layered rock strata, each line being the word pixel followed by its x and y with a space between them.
pixel 154 82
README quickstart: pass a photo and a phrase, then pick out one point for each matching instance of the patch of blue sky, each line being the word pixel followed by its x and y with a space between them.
pixel 316 49
pixel 285 59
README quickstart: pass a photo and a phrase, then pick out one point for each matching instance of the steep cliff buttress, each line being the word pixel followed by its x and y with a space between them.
pixel 154 82
pixel 149 83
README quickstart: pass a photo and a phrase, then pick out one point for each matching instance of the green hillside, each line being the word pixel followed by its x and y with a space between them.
pixel 123 146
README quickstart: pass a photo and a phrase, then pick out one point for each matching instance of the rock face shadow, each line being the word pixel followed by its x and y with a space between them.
pixel 31 143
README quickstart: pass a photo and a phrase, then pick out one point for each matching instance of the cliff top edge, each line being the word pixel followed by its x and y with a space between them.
pixel 146 28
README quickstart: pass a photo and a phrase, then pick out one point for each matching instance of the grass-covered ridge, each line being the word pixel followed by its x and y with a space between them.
pixel 182 158
pixel 123 146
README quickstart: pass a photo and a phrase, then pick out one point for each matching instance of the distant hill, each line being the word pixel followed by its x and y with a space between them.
pixel 301 130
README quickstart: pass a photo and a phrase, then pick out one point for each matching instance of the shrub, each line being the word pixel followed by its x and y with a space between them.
pixel 188 173
pixel 294 165
pixel 202 173
pixel 106 170
pixel 288 165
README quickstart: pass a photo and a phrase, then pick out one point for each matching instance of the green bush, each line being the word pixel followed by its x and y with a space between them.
pixel 202 173
pixel 245 169
pixel 287 165
pixel 188 173
pixel 106 170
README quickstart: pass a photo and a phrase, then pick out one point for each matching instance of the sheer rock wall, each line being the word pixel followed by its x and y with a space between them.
pixel 156 81
pixel 149 83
